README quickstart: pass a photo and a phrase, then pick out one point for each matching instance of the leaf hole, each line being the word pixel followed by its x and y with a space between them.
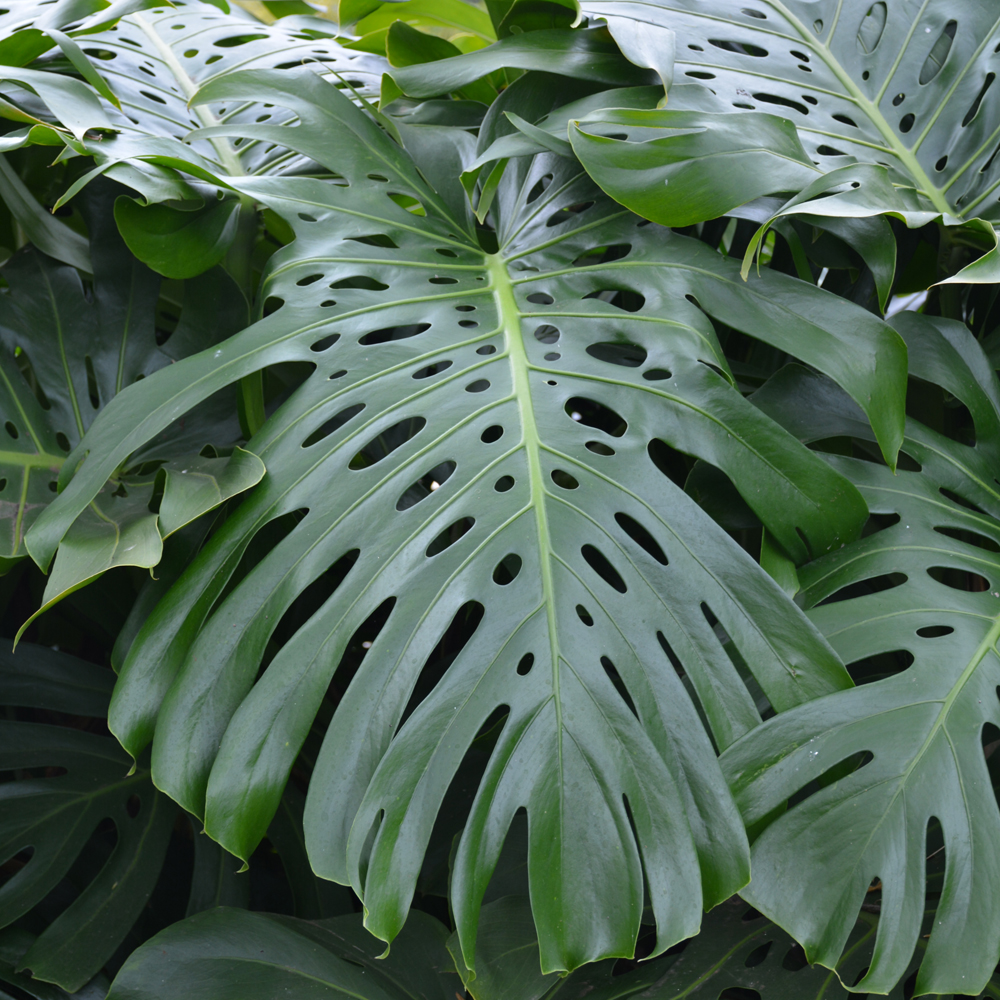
pixel 387 442
pixel 338 374
pixel 308 280
pixel 757 956
pixel 598 448
pixel 844 120
pixel 553 356
pixel 784 102
pixel 468 324
pixel 486 349
pixel 439 280
pixel 435 369
pixel 507 569
pixel 541 298
pixel 11 429
pixel 958 579
pixel 641 537
pixel 934 631
pixel 538 189
pixel 938 55
pixel 375 240
pixel 871 28
pixel 547 334
pixel 306 217
pixel 743 48
pixel 970 538
pixel 750 12
pixel 977 103
pixel 426 485
pixel 603 255
pixel 619 353
pixel 600 564
pixel 333 424
pixel 656 375
pixel 362 281
pixel 148 94
pixel 503 484
pixel 906 123
pixel 620 298
pixel 567 214
pixel 612 674
pixel 591 413
pixel 389 333
pixel 92 390
pixel 584 615
pixel 941 163
pixel 480 385
pixel 325 343
pixel 794 959
pixel 449 536
pixel 525 664
pixel 564 480
pixel 491 434
pixel 876 668
pixel 445 252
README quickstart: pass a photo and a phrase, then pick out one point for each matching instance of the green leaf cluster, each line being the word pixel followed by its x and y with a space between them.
pixel 520 477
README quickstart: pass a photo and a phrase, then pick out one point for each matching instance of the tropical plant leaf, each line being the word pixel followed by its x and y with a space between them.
pixel 883 83
pixel 66 355
pixel 155 61
pixel 437 405
pixel 66 781
pixel 256 956
pixel 920 591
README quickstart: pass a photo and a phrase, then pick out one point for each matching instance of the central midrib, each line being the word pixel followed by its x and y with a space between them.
pixel 510 321
pixel 226 153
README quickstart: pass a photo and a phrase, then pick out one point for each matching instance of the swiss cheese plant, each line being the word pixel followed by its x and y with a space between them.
pixel 531 464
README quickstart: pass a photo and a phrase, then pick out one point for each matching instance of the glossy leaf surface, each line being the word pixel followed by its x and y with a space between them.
pixel 920 591
pixel 884 83
pixel 488 418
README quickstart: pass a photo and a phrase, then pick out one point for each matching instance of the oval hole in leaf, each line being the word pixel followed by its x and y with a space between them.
pixel 568 213
pixel 11 429
pixel 503 484
pixel 486 349
pixel 546 334
pixel 564 480
pixel 334 423
pixel 871 28
pixel 541 298
pixel 538 189
pixel 491 434
pixel 974 107
pixel 939 53
pixel 656 375
pixel 624 354
pixel 934 631
pixel 584 615
pixel 480 385
pixel 958 579
pixel 783 102
pixel 906 123
pixel 525 664
pixel 308 280
pixel 507 569
pixel 389 333
pixel 362 281
pixel 757 955
pixel 599 563
pixel 603 255
pixel 794 959
pixel 387 442
pixel 325 343
pixel 590 413
pixel 426 485
pixel 435 369
pixel 743 48
pixel 450 535
pixel 970 538
pixel 599 449
pixel 437 280
pixel 375 240
pixel 620 298
pixel 619 684
pixel 641 537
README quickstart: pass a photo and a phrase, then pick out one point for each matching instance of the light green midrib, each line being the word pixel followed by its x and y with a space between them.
pixel 510 322
pixel 189 88
pixel 906 156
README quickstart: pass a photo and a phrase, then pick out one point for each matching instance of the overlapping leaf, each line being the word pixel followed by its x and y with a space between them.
pixel 65 356
pixel 67 781
pixel 925 588
pixel 907 91
pixel 472 452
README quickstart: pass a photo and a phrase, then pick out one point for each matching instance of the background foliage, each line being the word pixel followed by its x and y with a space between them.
pixel 510 475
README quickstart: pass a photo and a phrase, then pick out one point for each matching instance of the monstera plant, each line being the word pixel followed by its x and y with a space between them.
pixel 519 480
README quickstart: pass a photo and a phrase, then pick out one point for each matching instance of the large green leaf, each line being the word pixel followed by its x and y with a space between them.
pixel 155 61
pixel 67 352
pixel 904 88
pixel 515 394
pixel 234 955
pixel 922 590
pixel 66 782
